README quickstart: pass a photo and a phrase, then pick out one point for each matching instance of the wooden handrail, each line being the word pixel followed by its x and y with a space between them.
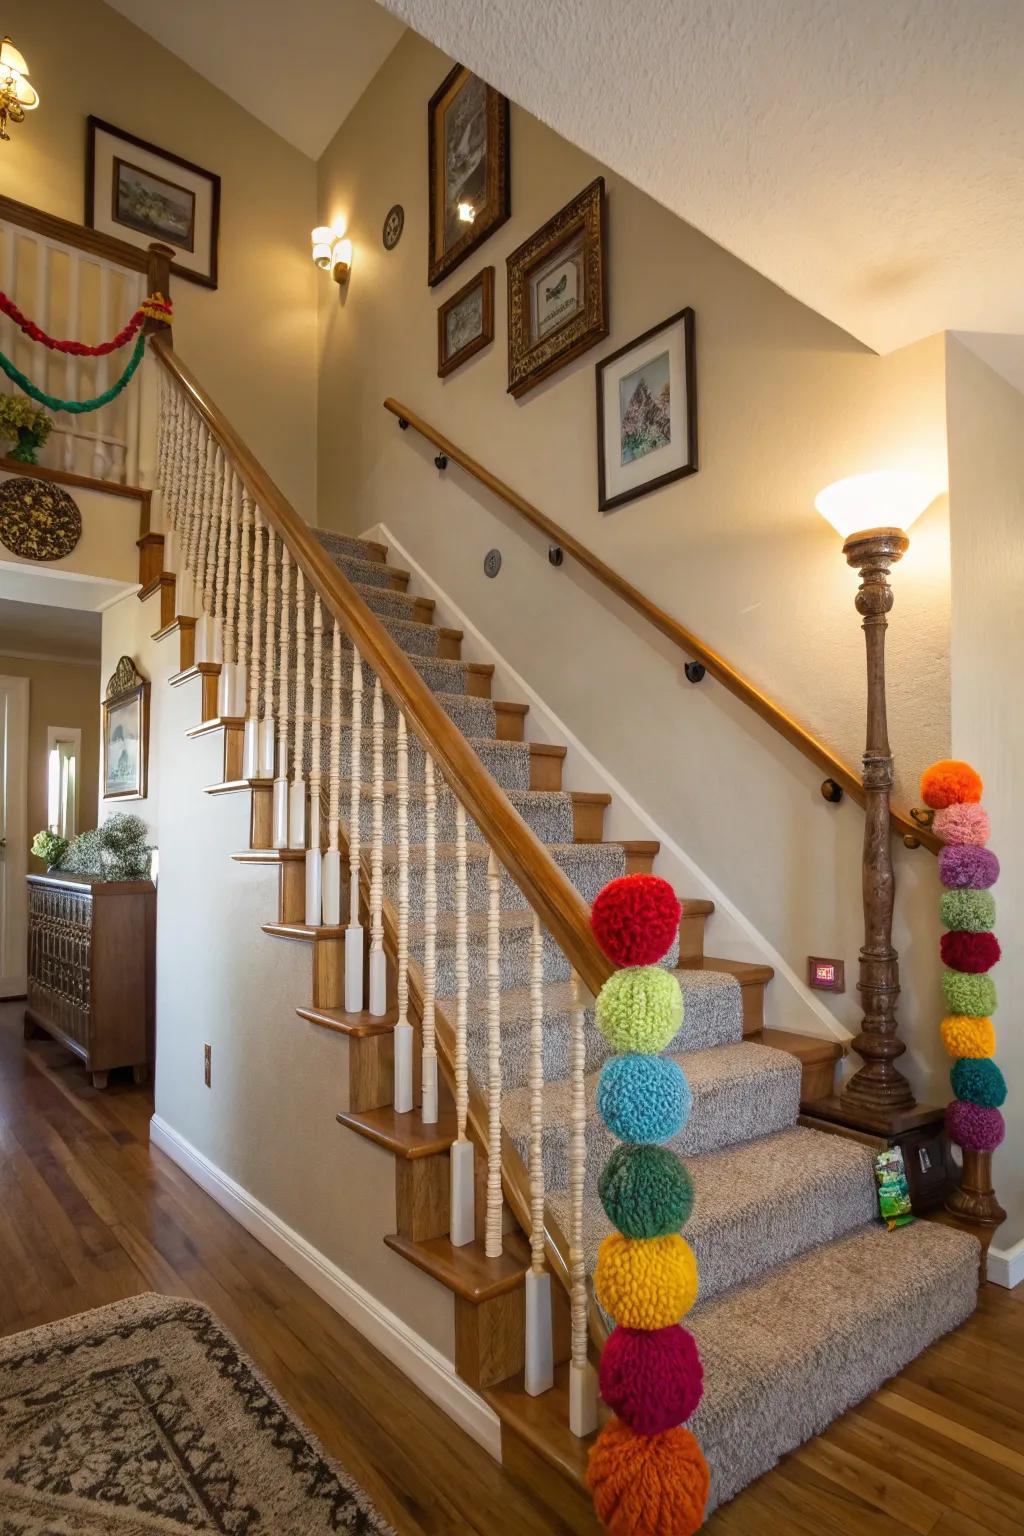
pixel 107 247
pixel 547 889
pixel 739 686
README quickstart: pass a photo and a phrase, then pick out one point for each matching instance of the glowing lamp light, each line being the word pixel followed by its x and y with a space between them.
pixel 17 94
pixel 467 213
pixel 341 260
pixel 332 250
pixel 885 498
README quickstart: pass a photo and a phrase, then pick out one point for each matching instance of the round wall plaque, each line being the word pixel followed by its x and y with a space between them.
pixel 492 562
pixel 38 521
pixel 394 223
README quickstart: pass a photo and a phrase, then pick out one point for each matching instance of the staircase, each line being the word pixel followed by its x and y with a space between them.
pixel 806 1302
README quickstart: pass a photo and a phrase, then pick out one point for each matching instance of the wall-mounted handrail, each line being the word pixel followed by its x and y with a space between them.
pixel 739 686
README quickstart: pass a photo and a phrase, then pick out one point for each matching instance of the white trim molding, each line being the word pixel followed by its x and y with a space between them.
pixel 424 1365
pixel 1006 1265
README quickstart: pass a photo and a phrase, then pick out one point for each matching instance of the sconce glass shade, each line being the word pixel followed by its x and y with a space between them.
pixel 322 253
pixel 322 235
pixel 886 498
pixel 14 79
pixel 341 255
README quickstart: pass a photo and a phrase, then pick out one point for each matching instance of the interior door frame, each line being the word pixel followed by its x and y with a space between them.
pixel 14 701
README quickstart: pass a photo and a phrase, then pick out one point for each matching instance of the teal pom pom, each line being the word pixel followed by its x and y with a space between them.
pixel 969 994
pixel 969 911
pixel 643 1098
pixel 640 1009
pixel 645 1191
pixel 976 1080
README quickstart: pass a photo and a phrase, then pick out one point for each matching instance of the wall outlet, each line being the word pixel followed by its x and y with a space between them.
pixel 207 1063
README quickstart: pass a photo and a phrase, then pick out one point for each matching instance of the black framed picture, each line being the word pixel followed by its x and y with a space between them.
pixel 647 412
pixel 142 193
pixel 465 322
pixel 468 168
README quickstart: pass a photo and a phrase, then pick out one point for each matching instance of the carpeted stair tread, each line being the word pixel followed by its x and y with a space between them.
pixel 508 762
pixel 344 544
pixel 786 1354
pixel 549 814
pixel 398 605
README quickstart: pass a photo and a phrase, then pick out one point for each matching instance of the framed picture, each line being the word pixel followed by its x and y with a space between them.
pixel 557 291
pixel 125 733
pixel 141 193
pixel 465 322
pixel 647 413
pixel 467 133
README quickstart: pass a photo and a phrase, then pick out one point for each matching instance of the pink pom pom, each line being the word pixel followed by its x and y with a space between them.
pixel 653 1381
pixel 962 824
pixel 974 1126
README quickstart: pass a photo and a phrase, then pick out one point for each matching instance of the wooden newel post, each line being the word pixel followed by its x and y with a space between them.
pixel 878 1088
pixel 975 1200
pixel 158 279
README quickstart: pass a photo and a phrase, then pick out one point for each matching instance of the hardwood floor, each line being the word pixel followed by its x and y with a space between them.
pixel 89 1214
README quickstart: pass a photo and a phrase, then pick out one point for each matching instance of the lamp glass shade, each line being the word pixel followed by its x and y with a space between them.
pixel 341 255
pixel 11 59
pixel 885 498
pixel 322 253
pixel 322 235
pixel 14 76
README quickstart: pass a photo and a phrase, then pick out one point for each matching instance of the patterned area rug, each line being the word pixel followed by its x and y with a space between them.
pixel 145 1417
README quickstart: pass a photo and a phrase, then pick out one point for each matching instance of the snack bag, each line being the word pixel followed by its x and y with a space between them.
pixel 893 1194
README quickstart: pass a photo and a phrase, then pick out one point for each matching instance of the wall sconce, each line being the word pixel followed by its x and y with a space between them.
pixel 332 250
pixel 17 94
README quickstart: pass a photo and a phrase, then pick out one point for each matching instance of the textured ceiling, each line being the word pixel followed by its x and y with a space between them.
pixel 867 155
pixel 300 65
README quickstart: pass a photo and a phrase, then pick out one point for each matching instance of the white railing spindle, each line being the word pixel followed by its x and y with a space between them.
pixel 218 566
pixel 429 1071
pixel 281 781
pixel 251 735
pixel 240 625
pixel 227 701
pixel 354 965
pixel 206 489
pixel 582 1377
pixel 462 1154
pixel 331 878
pixel 297 792
pixel 378 987
pixel 403 1029
pixel 314 858
pixel 267 732
pixel 540 1370
pixel 492 1229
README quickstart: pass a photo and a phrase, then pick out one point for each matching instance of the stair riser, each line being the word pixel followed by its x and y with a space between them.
pixel 507 761
pixel 587 874
pixel 551 819
pixel 414 639
pixel 396 605
pixel 343 545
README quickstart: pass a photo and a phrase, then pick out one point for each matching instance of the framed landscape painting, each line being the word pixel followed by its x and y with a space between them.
pixel 465 322
pixel 467 140
pixel 141 193
pixel 647 413
pixel 125 741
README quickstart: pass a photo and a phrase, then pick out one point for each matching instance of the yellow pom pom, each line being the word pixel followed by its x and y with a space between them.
pixel 646 1282
pixel 966 1036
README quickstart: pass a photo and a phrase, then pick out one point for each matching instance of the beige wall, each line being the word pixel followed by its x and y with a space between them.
pixel 252 342
pixel 59 693
pixel 986 484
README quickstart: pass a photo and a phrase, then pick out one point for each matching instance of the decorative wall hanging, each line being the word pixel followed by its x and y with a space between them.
pixel 557 291
pixel 141 193
pixel 647 412
pixel 38 521
pixel 468 154
pixel 126 733
pixel 465 322
pixel 394 223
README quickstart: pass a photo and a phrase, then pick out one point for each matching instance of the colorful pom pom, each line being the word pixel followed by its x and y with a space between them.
pixel 643 1098
pixel 653 1381
pixel 978 1082
pixel 974 911
pixel 968 1037
pixel 645 1284
pixel 636 919
pixel 962 824
pixel 640 1009
pixel 974 996
pixel 950 783
pixel 646 1191
pixel 974 1127
pixel 965 951
pixel 964 864
pixel 648 1487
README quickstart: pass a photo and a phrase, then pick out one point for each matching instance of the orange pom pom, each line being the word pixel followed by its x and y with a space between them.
pixel 950 783
pixel 648 1487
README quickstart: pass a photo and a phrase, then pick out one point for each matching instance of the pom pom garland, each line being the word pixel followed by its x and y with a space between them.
pixel 653 1381
pixel 643 1098
pixel 978 1082
pixel 950 783
pixel 962 824
pixel 973 952
pixel 648 1487
pixel 646 1192
pixel 968 1037
pixel 972 911
pixel 974 996
pixel 974 1127
pixel 635 919
pixel 645 1284
pixel 640 1009
pixel 964 864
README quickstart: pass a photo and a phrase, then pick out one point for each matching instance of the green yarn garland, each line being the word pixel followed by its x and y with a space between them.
pixel 645 1191
pixel 640 1009
pixel 968 994
pixel 75 407
pixel 969 911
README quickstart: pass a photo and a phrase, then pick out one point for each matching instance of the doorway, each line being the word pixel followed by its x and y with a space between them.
pixel 13 835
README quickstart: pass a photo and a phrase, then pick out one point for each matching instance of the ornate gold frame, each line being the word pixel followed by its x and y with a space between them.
pixel 126 683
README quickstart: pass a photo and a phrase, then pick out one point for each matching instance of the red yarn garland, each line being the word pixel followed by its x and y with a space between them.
pixel 155 305
pixel 636 919
pixel 970 952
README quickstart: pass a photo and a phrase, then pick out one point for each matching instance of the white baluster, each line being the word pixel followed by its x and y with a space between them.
pixel 297 791
pixel 239 620
pixel 267 730
pixel 429 1073
pixel 332 858
pixel 71 371
pixel 101 458
pixel 378 960
pixel 540 1367
pixel 314 858
pixel 210 459
pixel 192 511
pixel 251 735
pixel 281 781
pixel 462 1154
pixel 218 567
pixel 159 500
pixel 492 1228
pixel 354 960
pixel 582 1377
pixel 227 683
pixel 403 1039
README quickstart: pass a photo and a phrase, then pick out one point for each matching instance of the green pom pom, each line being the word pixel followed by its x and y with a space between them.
pixel 968 994
pixel 979 1081
pixel 645 1191
pixel 973 911
pixel 640 1009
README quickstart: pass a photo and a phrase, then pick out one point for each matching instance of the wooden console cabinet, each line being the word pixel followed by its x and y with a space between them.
pixel 91 969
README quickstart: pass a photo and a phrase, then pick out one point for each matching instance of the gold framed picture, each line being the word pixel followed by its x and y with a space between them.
pixel 465 322
pixel 125 733
pixel 468 154
pixel 558 291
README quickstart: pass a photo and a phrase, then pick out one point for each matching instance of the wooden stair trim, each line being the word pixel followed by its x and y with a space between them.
pixel 749 973
pixel 466 1271
pixel 306 933
pixel 164 579
pixel 197 669
pixel 358 1026
pixel 218 723
pixel 810 1049
pixel 543 1423
pixel 179 622
pixel 139 493
pixel 405 1136
pixel 236 786
pixel 266 855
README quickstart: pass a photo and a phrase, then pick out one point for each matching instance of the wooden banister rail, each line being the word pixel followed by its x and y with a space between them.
pixel 739 686
pixel 108 247
pixel 546 888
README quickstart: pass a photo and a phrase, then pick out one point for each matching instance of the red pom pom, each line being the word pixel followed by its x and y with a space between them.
pixel 974 952
pixel 653 1381
pixel 636 919
pixel 643 1487
pixel 950 783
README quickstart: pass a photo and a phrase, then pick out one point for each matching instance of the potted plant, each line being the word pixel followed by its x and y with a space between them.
pixel 50 847
pixel 24 424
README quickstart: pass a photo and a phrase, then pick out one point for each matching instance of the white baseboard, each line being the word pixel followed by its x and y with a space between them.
pixel 424 1365
pixel 1006 1265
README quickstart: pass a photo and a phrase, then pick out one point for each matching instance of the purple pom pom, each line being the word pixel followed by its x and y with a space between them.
pixel 967 866
pixel 973 1126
